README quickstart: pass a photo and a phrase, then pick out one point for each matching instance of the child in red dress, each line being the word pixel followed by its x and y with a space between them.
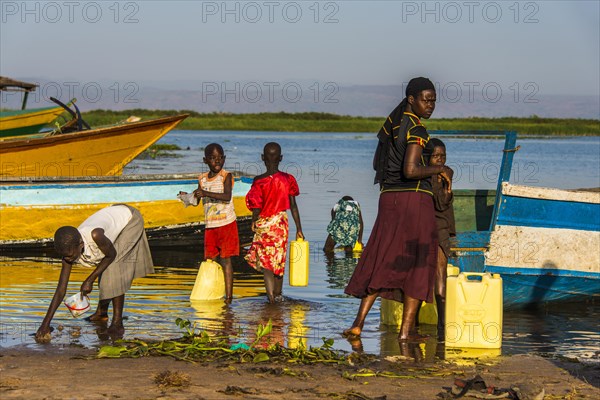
pixel 271 195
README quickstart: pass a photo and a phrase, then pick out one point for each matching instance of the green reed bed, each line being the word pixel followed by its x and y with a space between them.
pixel 326 122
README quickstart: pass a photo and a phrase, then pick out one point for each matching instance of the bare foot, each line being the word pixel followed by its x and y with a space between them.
pixel 355 331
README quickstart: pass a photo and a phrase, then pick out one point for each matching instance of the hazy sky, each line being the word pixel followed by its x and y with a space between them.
pixel 548 46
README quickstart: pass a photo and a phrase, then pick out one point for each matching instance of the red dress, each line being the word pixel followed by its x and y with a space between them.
pixel 271 195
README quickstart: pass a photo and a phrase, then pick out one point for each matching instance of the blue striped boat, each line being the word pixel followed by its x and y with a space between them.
pixel 32 209
pixel 544 242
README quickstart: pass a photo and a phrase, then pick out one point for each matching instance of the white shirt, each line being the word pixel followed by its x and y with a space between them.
pixel 113 220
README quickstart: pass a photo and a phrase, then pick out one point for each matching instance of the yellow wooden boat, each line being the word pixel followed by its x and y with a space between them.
pixel 32 209
pixel 20 122
pixel 102 151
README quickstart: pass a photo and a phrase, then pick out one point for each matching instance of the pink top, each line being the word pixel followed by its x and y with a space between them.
pixel 271 193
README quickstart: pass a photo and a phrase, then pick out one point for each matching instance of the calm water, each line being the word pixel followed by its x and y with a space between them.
pixel 327 166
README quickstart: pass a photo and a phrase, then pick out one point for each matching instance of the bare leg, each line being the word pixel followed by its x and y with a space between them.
pixel 365 305
pixel 440 292
pixel 116 325
pixel 329 244
pixel 101 313
pixel 228 275
pixel 269 284
pixel 411 305
pixel 278 286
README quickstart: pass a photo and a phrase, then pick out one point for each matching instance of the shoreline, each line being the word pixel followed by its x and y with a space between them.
pixel 330 123
pixel 68 372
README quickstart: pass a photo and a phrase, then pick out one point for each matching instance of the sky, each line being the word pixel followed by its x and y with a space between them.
pixel 521 47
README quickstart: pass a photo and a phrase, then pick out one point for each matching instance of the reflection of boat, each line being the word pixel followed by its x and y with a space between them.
pixel 20 122
pixel 544 242
pixel 93 152
pixel 33 209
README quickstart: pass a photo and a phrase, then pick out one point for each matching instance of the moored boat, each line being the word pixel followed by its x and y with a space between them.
pixel 101 151
pixel 33 209
pixel 22 122
pixel 15 123
pixel 544 242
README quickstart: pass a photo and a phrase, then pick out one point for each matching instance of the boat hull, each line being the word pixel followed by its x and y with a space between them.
pixel 23 122
pixel 95 152
pixel 31 212
pixel 545 243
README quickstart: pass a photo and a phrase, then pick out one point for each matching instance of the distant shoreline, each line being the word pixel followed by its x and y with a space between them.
pixel 325 122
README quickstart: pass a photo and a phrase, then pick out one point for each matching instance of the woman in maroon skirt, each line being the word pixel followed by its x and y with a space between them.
pixel 399 261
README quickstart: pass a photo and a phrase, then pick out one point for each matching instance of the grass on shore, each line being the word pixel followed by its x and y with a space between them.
pixel 324 122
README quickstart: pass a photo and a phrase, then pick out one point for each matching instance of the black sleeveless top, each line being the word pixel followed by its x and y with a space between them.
pixel 408 130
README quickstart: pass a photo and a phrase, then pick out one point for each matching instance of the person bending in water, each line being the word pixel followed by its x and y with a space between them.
pixel 346 226
pixel 271 195
pixel 114 243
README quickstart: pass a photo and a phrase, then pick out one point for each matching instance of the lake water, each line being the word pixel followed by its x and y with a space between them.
pixel 327 167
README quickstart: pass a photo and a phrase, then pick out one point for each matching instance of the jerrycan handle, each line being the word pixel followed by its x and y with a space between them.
pixel 473 276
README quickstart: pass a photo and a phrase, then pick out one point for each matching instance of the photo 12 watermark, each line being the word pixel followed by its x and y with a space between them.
pixel 54 12
pixel 488 92
pixel 59 168
pixel 254 12
pixel 90 92
pixel 326 173
pixel 524 173
pixel 453 12
pixel 269 92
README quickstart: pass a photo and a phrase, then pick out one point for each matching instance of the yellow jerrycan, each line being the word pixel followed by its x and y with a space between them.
pixel 299 257
pixel 474 310
pixel 210 283
pixel 357 249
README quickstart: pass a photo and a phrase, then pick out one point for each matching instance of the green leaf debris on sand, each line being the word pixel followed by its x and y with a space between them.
pixel 197 345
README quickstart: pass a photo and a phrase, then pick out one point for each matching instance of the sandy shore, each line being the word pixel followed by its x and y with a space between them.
pixel 69 374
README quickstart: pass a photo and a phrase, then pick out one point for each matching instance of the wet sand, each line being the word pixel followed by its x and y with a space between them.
pixel 61 373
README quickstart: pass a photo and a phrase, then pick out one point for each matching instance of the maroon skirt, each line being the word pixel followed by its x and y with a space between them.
pixel 401 254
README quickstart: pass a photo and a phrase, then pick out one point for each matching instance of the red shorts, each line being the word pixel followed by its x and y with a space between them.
pixel 222 241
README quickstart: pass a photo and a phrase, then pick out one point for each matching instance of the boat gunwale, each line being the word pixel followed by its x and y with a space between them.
pixel 22 182
pixel 18 114
pixel 103 132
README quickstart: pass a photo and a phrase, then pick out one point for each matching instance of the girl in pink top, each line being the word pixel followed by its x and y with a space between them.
pixel 270 196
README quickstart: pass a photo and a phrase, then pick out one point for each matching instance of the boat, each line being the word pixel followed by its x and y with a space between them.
pixel 102 151
pixel 20 122
pixel 543 242
pixel 15 123
pixel 32 209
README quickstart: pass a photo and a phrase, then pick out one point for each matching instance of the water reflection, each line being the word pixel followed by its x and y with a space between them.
pixel 318 311
pixel 340 266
